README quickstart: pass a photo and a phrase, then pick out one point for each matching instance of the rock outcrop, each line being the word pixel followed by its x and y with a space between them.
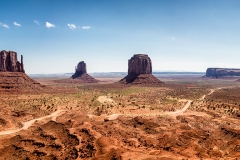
pixel 140 71
pixel 80 70
pixel 9 62
pixel 140 64
pixel 80 75
pixel 12 74
pixel 221 72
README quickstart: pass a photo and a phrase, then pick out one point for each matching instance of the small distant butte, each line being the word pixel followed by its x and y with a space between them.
pixel 80 75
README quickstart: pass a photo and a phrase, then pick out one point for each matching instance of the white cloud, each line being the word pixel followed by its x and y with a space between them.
pixel 4 25
pixel 17 24
pixel 86 27
pixel 36 22
pixel 71 26
pixel 49 25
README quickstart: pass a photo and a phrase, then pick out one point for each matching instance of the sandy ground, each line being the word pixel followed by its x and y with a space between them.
pixel 101 99
pixel 105 99
pixel 181 120
pixel 26 125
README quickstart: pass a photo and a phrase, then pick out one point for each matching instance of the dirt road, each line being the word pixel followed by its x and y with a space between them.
pixel 115 116
pixel 28 124
pixel 102 99
pixel 178 112
pixel 203 97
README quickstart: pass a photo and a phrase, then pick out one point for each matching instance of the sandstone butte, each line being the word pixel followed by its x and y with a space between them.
pixel 221 72
pixel 80 75
pixel 9 62
pixel 140 71
pixel 12 73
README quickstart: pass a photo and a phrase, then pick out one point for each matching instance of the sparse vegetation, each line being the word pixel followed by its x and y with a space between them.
pixel 141 123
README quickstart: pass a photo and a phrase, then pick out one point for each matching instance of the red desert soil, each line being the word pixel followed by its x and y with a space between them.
pixel 114 121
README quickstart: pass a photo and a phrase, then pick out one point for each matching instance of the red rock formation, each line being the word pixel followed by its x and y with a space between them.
pixel 81 67
pixel 140 64
pixel 80 75
pixel 21 64
pixel 80 70
pixel 9 62
pixel 12 74
pixel 140 71
pixel 222 72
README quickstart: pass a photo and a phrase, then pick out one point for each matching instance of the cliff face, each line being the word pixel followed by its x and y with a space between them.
pixel 80 70
pixel 140 71
pixel 9 62
pixel 140 64
pixel 219 72
pixel 81 67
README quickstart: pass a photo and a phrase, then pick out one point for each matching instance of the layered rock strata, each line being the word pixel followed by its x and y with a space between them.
pixel 18 81
pixel 220 72
pixel 140 71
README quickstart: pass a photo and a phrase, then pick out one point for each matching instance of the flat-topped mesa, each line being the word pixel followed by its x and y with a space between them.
pixel 140 71
pixel 140 64
pixel 9 62
pixel 221 72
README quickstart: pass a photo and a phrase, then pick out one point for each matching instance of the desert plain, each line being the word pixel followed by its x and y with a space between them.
pixel 186 117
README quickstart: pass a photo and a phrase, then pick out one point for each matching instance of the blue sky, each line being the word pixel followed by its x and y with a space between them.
pixel 178 35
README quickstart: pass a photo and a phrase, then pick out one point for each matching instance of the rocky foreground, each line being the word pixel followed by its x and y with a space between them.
pixel 116 122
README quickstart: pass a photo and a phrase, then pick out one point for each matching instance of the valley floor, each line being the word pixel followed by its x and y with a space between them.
pixel 184 118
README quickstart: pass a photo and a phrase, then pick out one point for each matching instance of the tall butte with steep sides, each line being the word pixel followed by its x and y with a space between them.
pixel 80 75
pixel 12 73
pixel 9 62
pixel 140 71
pixel 80 70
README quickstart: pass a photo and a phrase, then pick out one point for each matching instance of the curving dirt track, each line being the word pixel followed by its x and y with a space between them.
pixel 101 99
pixel 161 135
pixel 28 124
